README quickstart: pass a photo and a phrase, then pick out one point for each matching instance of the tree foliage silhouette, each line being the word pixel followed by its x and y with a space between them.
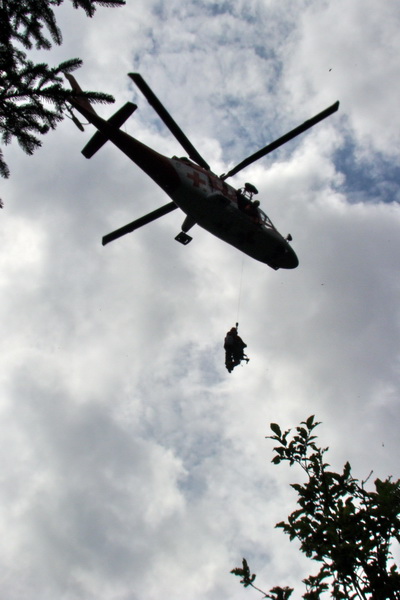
pixel 339 524
pixel 34 96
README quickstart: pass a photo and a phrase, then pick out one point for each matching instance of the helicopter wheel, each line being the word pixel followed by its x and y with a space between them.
pixel 183 238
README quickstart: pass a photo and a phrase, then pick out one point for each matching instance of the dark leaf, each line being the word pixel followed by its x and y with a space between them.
pixel 276 429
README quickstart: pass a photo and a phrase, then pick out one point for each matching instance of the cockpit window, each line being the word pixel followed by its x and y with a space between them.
pixel 265 220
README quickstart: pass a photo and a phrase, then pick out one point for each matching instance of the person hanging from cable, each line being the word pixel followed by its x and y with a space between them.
pixel 234 349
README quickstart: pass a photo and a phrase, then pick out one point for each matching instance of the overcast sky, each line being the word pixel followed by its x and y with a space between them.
pixel 134 467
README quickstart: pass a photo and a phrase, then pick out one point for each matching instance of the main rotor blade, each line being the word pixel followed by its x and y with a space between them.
pixel 168 120
pixel 155 214
pixel 282 140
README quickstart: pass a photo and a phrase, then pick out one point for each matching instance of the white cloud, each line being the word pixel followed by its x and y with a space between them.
pixel 134 465
pixel 352 58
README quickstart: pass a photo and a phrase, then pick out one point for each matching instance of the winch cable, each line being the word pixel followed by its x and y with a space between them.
pixel 240 292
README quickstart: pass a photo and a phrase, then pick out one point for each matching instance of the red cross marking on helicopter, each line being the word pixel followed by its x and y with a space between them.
pixel 196 178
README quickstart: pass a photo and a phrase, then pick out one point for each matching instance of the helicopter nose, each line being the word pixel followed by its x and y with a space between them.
pixel 287 258
pixel 290 260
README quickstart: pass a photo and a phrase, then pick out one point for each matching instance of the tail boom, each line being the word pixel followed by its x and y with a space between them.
pixel 155 165
pixel 80 103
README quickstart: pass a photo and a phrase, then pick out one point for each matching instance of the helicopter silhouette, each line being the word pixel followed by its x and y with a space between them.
pixel 207 200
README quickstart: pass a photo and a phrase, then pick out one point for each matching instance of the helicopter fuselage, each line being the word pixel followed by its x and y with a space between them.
pixel 213 204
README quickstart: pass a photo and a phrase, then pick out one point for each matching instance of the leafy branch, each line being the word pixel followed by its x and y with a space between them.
pixel 276 593
pixel 339 524
pixel 33 96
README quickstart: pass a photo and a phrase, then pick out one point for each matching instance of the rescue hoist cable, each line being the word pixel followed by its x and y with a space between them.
pixel 240 292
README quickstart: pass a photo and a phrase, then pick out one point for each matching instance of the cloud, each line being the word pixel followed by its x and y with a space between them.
pixel 134 465
pixel 354 59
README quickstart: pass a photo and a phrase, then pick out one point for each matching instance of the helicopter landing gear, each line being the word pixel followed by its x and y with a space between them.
pixel 183 238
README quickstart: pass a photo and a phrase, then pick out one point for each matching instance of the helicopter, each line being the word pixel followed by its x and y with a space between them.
pixel 206 199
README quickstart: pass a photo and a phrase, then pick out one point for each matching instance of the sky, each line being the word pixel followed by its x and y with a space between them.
pixel 134 466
